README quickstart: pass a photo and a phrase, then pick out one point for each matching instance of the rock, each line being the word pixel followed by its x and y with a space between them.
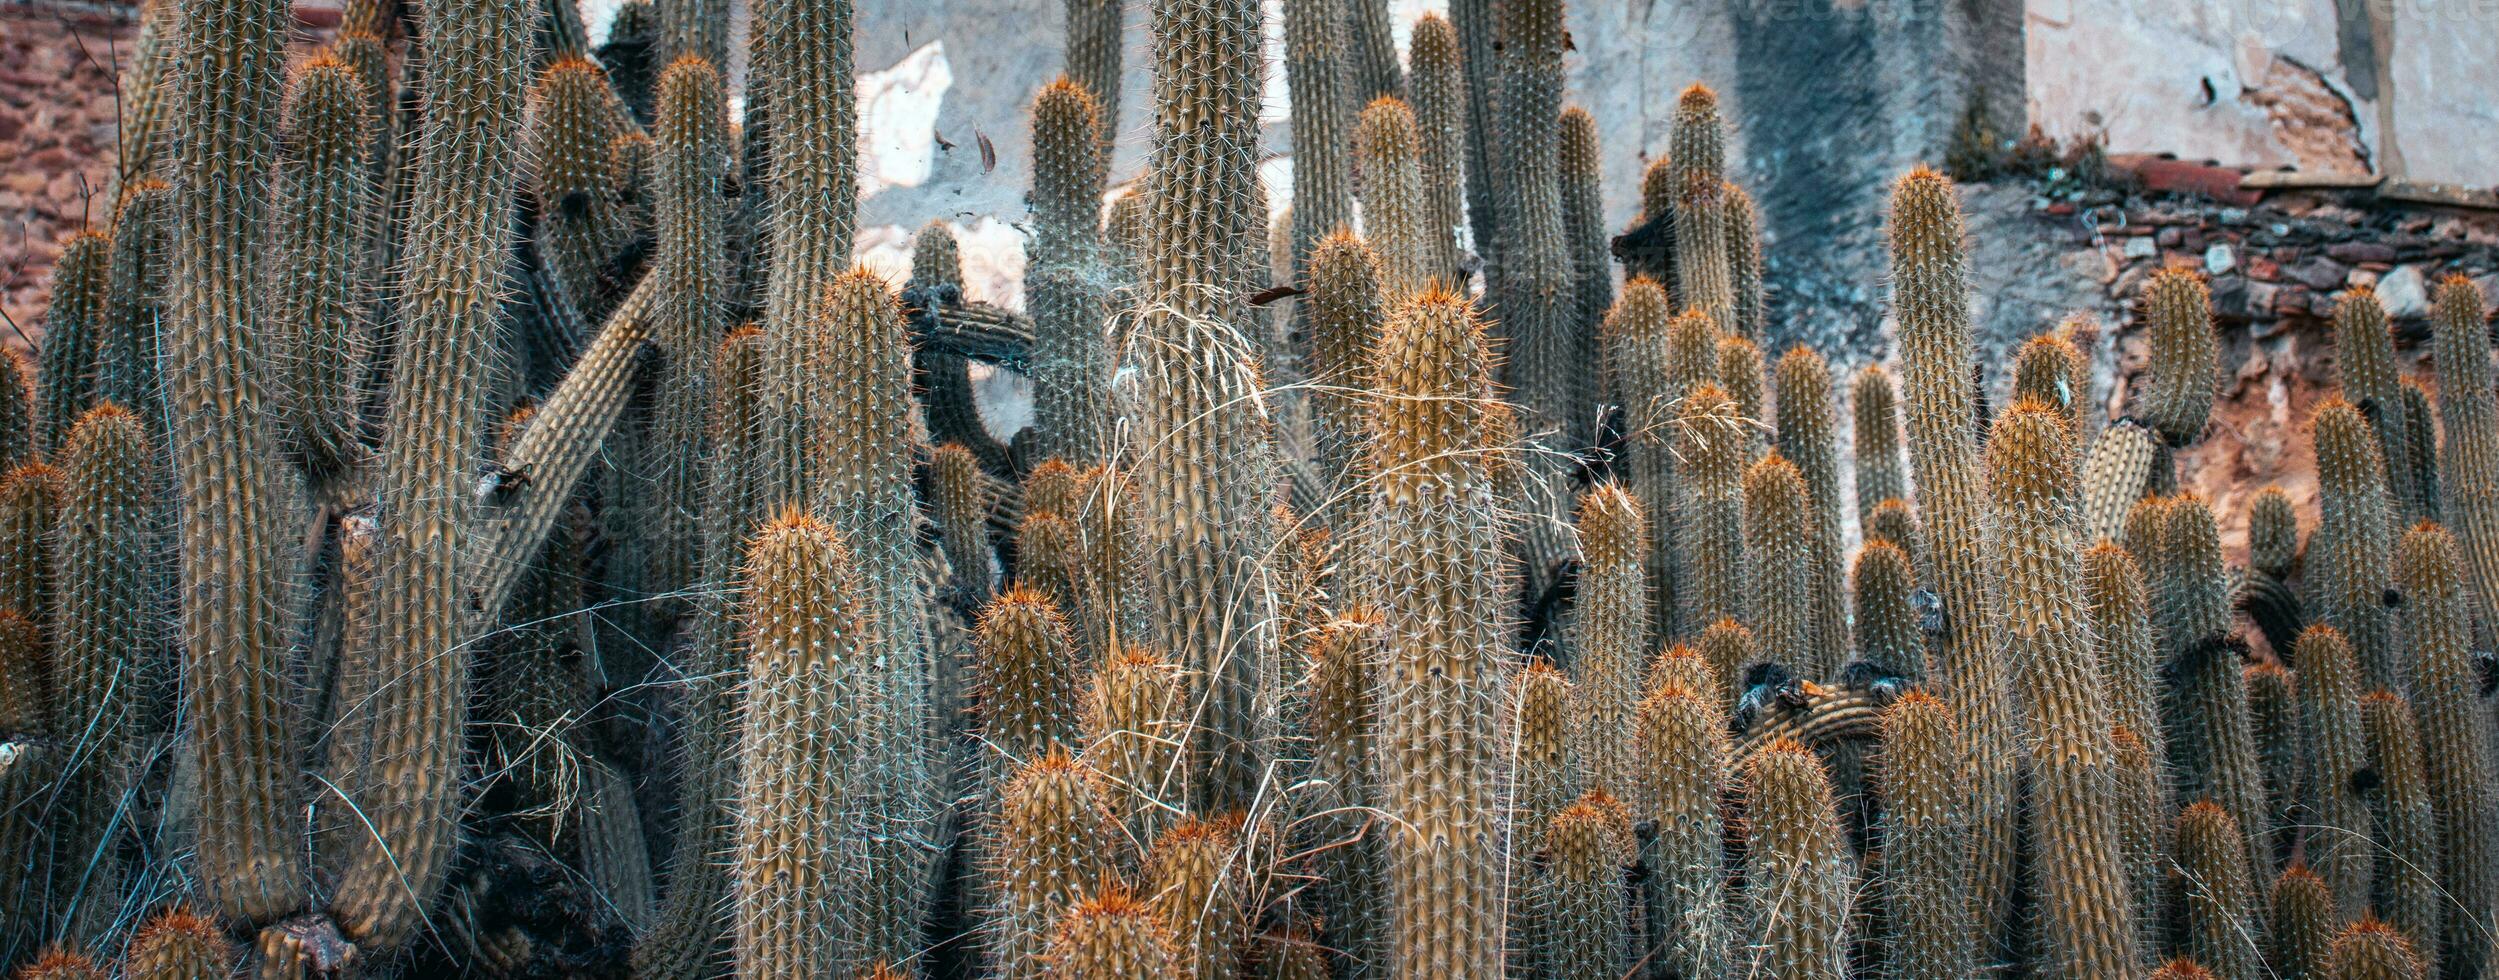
pixel 2356 253
pixel 2260 267
pixel 2405 292
pixel 2320 273
pixel 2220 258
pixel 2141 248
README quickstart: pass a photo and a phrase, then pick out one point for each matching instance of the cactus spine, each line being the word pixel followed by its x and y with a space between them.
pixel 74 326
pixel 2186 356
pixel 1874 407
pixel 328 204
pixel 1442 593
pixel 1612 643
pixel 1112 936
pixel 1930 290
pixel 1807 427
pixel 1439 93
pixel 1926 837
pixel 2219 925
pixel 2085 929
pixel 1683 747
pixel 2354 545
pixel 1800 889
pixel 2468 459
pixel 2430 569
pixel 179 944
pixel 1053 842
pixel 2299 924
pixel 233 563
pixel 1072 361
pixel 2407 848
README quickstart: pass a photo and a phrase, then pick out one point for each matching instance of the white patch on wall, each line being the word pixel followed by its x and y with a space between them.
pixel 898 119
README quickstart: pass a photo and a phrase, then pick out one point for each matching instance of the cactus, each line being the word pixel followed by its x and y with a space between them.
pixel 179 944
pixel 1479 46
pixel 569 126
pixel 813 637
pixel 2273 713
pixel 2430 570
pixel 2407 847
pixel 1583 219
pixel 1437 88
pixel 2364 361
pixel 1111 935
pixel 328 205
pixel 2214 749
pixel 1729 648
pixel 1135 729
pixel 1887 622
pixel 61 964
pixel 1336 710
pixel 2185 369
pixel 1807 429
pixel 1874 409
pixel 690 311
pixel 693 29
pixel 1094 55
pixel 2048 369
pixel 2354 543
pixel 1703 276
pixel 2141 805
pixel 2272 534
pixel 1053 841
pixel 1923 874
pixel 2468 417
pixel 233 565
pixel 29 494
pixel 1779 553
pixel 1745 376
pixel 126 353
pixel 147 96
pixel 2079 876
pixel 1798 902
pixel 2421 435
pixel 2218 924
pixel 2332 755
pixel 1612 640
pixel 1319 68
pixel 1682 740
pixel 2121 469
pixel 1744 263
pixel 1193 878
pixel 2120 608
pixel 74 326
pixel 959 503
pixel 1442 593
pixel 1072 361
pixel 1530 263
pixel 1895 521
pixel 811 194
pixel 2372 950
pixel 1581 891
pixel 1395 218
pixel 1634 361
pixel 28 718
pixel 1930 286
pixel 1027 694
pixel 2181 969
pixel 2145 527
pixel 1712 445
pixel 2299 924
pixel 1543 743
pixel 1346 310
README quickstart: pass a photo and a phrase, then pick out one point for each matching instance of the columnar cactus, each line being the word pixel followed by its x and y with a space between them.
pixel 1583 221
pixel 1747 379
pixel 2120 608
pixel 2421 435
pixel 1712 444
pixel 1682 739
pixel 73 327
pixel 1028 695
pixel 2406 841
pixel 1808 426
pixel 1072 360
pixel 1632 346
pixel 179 944
pixel 234 564
pixel 1479 56
pixel 2218 925
pixel 2214 748
pixel 1780 590
pixel 2273 711
pixel 1581 891
pixel 2079 874
pixel 2353 549
pixel 327 208
pixel 2468 459
pixel 1744 264
pixel 1052 840
pixel 1874 409
pixel 959 502
pixel 29 493
pixel 1442 594
pixel 1923 876
pixel 2186 354
pixel 1135 727
pixel 1111 935
pixel 1611 645
pixel 572 119
pixel 2333 754
pixel 1895 521
pixel 1320 69
pixel 691 311
pixel 1930 292
pixel 2272 533
pixel 1542 751
pixel 1438 89
pixel 1703 277
pixel 1531 262
pixel 2123 466
pixel 1799 894
pixel 1346 309
pixel 1395 218
pixel 1887 622
pixel 1194 878
pixel 2373 950
pixel 2430 571
pixel 813 638
pixel 1728 647
pixel 802 48
pixel 2299 924
pixel 2364 361
pixel 2141 805
pixel 126 353
pixel 1339 698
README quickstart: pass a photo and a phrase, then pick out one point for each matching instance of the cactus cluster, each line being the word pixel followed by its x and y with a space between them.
pixel 470 515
